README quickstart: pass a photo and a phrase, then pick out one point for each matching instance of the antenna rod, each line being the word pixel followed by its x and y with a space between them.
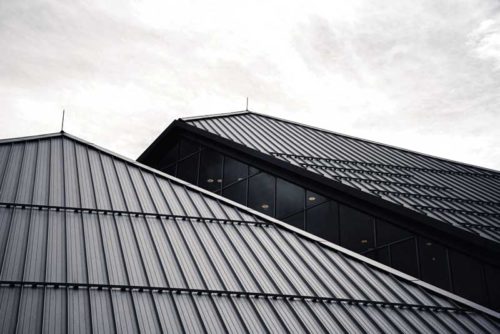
pixel 62 123
pixel 247 104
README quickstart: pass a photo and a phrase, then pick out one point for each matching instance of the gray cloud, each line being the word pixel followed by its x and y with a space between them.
pixel 421 75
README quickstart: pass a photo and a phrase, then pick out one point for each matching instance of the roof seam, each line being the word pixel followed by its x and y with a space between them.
pixel 274 296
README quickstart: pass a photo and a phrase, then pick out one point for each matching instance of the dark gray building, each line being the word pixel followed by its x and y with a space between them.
pixel 434 219
pixel 91 242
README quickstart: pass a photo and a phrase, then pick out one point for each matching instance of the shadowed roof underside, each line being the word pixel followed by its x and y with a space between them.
pixel 92 242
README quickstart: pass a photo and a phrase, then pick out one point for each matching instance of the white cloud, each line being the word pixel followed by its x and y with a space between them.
pixel 423 75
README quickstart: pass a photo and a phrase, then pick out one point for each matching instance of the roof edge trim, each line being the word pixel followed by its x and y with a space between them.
pixel 219 115
pixel 34 137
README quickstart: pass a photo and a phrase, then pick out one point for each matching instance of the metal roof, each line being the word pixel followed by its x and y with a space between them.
pixel 93 242
pixel 464 196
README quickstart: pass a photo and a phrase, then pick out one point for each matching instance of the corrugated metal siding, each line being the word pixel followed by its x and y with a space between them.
pixel 466 197
pixel 72 215
pixel 102 311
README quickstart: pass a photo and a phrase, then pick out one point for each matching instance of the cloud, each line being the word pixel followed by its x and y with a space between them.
pixel 405 73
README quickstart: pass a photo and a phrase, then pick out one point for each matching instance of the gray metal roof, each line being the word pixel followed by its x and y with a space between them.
pixel 92 242
pixel 465 196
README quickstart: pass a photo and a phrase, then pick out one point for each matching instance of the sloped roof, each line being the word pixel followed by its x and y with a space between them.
pixel 92 242
pixel 465 196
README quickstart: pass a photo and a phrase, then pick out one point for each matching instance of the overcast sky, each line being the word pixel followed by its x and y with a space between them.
pixel 423 75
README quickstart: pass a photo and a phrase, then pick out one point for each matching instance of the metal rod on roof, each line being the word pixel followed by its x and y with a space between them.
pixel 62 123
pixel 247 105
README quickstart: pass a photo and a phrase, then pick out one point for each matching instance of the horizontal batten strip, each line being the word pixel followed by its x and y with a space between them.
pixel 357 171
pixel 129 213
pixel 238 294
pixel 373 164
pixel 437 198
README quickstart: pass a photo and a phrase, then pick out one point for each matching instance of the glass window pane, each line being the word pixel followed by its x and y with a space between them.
pixel 382 255
pixel 404 257
pixel 237 192
pixel 493 284
pixel 296 220
pixel 387 233
pixel 314 199
pixel 170 170
pixel 234 171
pixel 323 221
pixel 433 263
pixel 289 198
pixel 261 189
pixel 187 147
pixel 252 170
pixel 356 229
pixel 170 156
pixel 210 170
pixel 467 277
pixel 187 169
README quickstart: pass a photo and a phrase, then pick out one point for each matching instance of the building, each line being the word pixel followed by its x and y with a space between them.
pixel 91 242
pixel 434 219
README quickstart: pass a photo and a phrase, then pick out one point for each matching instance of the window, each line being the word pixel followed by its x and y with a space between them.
pixel 313 199
pixel 187 169
pixel 234 171
pixel 433 263
pixel 493 285
pixel 261 189
pixel 387 233
pixel 210 170
pixel 323 220
pixel 289 198
pixel 170 156
pixel 170 169
pixel 296 220
pixel 187 147
pixel 467 277
pixel 404 256
pixel 237 192
pixel 356 229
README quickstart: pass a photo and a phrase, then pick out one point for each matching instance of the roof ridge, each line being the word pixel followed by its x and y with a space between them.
pixel 218 115
pixel 331 132
pixel 34 137
pixel 285 226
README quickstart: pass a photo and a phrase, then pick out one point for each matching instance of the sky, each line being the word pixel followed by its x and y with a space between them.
pixel 423 75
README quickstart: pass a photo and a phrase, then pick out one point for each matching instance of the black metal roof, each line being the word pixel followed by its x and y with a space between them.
pixel 93 242
pixel 464 196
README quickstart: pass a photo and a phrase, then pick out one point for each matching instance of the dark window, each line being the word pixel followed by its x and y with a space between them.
pixel 433 263
pixel 356 229
pixel 261 193
pixel 170 156
pixel 493 285
pixel 313 199
pixel 237 192
pixel 170 169
pixel 234 171
pixel 387 233
pixel 252 170
pixel 187 169
pixel 296 220
pixel 323 221
pixel 210 170
pixel 467 277
pixel 382 255
pixel 289 198
pixel 404 256
pixel 187 147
